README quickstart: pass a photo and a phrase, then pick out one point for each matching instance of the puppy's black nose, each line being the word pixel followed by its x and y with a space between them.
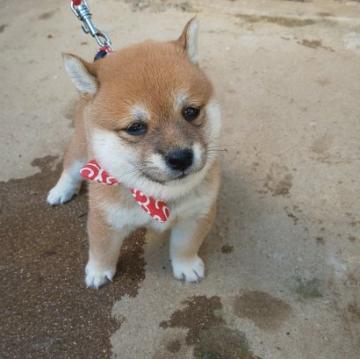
pixel 179 159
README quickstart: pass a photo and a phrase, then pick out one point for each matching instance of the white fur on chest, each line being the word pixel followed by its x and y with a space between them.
pixel 194 205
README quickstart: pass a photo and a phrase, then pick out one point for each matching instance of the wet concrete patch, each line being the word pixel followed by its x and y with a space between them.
pixel 308 288
pixel 2 27
pixel 278 180
pixel 222 342
pixel 173 346
pixel 46 309
pixel 200 312
pixel 354 311
pixel 266 311
pixel 207 330
pixel 226 249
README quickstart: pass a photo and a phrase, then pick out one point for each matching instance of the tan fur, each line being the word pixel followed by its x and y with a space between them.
pixel 153 76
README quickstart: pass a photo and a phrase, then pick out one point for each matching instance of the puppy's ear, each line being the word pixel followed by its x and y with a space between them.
pixel 82 74
pixel 189 40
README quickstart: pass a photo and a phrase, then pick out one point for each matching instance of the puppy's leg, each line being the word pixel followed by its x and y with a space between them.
pixel 70 180
pixel 105 243
pixel 185 241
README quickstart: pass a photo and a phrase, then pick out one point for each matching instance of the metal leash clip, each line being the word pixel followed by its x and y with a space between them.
pixel 81 9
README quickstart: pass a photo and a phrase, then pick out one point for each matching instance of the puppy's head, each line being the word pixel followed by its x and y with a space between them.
pixel 152 118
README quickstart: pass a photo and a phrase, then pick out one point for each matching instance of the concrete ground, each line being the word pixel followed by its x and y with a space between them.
pixel 283 261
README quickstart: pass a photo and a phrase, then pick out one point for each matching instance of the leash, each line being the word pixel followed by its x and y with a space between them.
pixel 81 9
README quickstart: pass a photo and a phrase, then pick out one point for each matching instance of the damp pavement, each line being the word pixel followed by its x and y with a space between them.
pixel 283 260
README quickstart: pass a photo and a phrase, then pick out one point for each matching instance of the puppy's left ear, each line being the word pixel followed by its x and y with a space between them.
pixel 82 74
pixel 189 40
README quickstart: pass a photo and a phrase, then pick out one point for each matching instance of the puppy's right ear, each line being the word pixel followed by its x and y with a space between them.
pixel 82 74
pixel 188 40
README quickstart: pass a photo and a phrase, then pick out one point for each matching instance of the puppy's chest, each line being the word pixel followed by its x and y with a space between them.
pixel 196 204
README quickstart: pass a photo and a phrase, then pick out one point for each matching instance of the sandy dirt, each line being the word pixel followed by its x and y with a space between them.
pixel 283 260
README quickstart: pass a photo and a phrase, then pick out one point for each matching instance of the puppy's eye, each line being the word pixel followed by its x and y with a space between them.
pixel 136 128
pixel 190 113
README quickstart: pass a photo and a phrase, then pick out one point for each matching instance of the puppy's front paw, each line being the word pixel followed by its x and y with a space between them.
pixel 62 193
pixel 189 270
pixel 95 277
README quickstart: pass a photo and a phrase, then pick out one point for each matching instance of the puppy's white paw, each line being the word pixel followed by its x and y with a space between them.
pixel 95 277
pixel 190 270
pixel 62 192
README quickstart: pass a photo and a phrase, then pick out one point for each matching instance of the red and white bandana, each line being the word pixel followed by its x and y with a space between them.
pixel 155 208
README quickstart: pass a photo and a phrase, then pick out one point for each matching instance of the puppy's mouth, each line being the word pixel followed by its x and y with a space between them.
pixel 176 177
pixel 166 173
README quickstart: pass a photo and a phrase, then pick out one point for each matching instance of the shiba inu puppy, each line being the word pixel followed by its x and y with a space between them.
pixel 149 117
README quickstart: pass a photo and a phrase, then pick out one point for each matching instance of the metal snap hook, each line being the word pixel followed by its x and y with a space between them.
pixel 81 9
